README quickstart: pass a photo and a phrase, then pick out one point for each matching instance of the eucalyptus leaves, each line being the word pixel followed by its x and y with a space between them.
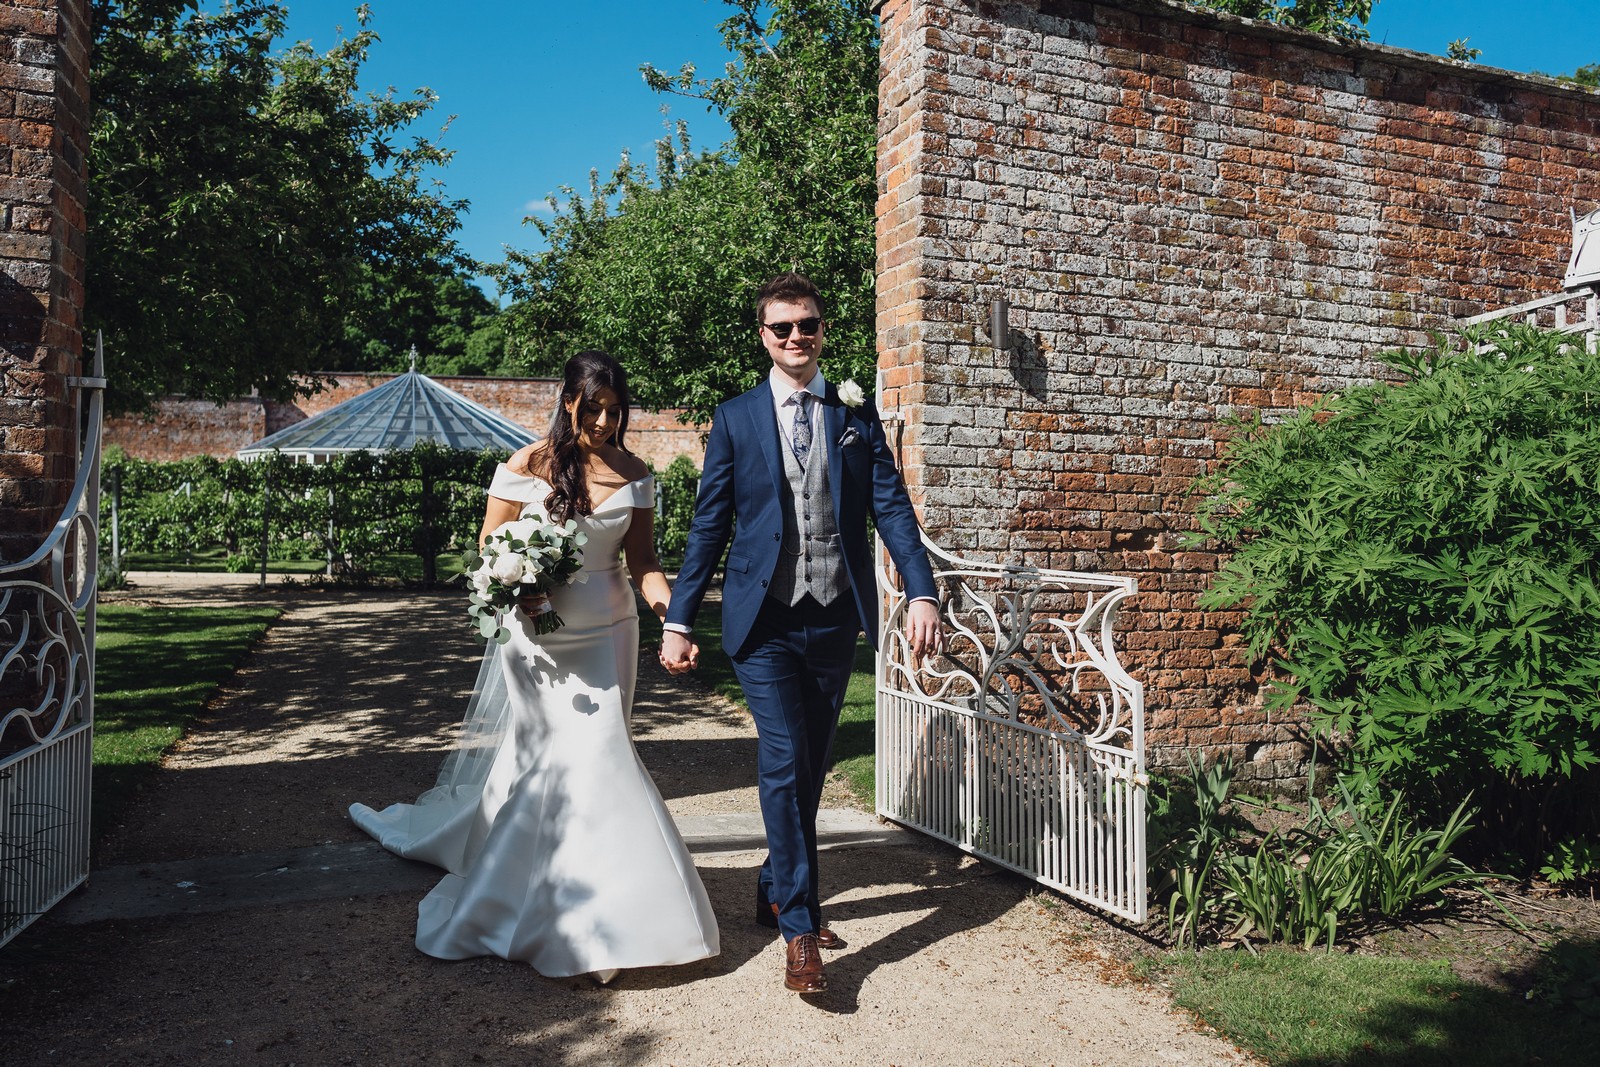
pixel 525 557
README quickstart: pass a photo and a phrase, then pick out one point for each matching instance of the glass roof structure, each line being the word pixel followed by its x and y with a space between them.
pixel 395 415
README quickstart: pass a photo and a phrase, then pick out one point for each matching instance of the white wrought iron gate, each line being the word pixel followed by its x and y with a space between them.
pixel 1023 742
pixel 47 627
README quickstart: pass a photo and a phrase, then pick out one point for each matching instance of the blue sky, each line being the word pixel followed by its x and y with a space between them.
pixel 543 90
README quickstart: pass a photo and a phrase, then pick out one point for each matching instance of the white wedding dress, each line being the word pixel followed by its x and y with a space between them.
pixel 563 856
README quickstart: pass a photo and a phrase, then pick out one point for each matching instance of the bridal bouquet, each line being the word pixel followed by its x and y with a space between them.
pixel 524 557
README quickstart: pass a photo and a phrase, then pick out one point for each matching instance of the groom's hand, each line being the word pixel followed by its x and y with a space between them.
pixel 924 632
pixel 679 653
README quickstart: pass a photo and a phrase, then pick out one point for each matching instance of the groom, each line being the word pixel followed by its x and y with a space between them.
pixel 793 469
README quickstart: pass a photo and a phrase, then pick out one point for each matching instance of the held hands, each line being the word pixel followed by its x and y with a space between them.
pixel 924 632
pixel 679 653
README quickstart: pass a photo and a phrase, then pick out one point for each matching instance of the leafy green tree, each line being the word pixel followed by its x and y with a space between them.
pixel 454 326
pixel 1341 18
pixel 1422 559
pixel 663 272
pixel 1589 75
pixel 482 349
pixel 239 198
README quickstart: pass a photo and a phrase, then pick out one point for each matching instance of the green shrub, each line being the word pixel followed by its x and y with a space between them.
pixel 1422 561
pixel 679 484
pixel 358 508
pixel 362 508
pixel 1196 830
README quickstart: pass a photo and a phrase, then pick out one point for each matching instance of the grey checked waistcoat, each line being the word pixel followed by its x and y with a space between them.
pixel 811 559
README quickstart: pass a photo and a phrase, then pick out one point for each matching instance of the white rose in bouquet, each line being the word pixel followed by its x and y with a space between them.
pixel 521 529
pixel 507 567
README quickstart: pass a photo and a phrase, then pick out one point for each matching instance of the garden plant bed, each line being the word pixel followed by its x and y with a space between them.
pixel 1461 984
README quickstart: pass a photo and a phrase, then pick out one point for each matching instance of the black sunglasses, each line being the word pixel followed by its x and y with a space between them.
pixel 807 327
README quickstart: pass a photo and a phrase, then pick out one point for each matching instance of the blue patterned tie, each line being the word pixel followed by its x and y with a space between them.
pixel 802 427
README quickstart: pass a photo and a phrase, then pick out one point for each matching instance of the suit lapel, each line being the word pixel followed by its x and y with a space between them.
pixel 764 423
pixel 833 421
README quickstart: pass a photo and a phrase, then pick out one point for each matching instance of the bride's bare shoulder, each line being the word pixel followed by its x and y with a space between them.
pixel 532 460
pixel 627 465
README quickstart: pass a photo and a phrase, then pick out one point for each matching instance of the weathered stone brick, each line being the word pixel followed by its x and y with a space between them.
pixel 42 150
pixel 1190 216
pixel 30 246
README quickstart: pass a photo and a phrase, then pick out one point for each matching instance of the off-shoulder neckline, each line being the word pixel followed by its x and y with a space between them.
pixel 594 508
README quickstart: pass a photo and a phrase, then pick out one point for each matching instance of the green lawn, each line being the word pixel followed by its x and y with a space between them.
pixel 154 670
pixel 1318 1009
pixel 855 746
pixel 216 560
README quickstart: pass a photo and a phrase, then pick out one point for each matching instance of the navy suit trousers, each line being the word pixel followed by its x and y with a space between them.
pixel 794 668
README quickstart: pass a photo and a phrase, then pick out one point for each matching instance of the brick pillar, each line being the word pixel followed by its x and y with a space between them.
pixel 44 115
pixel 926 322
pixel 900 321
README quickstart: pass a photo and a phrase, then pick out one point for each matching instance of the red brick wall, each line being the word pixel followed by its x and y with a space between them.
pixel 179 428
pixel 1190 215
pixel 44 96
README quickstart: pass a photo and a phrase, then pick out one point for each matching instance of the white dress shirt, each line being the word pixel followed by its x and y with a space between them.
pixel 786 401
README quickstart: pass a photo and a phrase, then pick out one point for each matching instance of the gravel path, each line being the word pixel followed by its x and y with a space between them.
pixel 236 916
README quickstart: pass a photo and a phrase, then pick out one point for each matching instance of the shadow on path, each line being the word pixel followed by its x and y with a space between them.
pixel 354 697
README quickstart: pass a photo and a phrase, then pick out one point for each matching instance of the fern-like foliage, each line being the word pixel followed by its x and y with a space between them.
pixel 1422 560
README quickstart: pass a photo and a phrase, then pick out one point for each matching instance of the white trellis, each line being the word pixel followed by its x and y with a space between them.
pixel 47 628
pixel 1575 312
pixel 1023 742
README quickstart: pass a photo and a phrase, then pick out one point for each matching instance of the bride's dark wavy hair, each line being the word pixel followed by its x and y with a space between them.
pixel 585 375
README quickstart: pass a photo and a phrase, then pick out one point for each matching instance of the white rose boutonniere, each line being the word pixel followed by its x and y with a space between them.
pixel 851 393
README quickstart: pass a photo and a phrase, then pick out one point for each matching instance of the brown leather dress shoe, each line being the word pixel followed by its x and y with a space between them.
pixel 768 917
pixel 802 966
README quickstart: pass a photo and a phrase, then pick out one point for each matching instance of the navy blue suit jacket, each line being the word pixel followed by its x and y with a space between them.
pixel 743 492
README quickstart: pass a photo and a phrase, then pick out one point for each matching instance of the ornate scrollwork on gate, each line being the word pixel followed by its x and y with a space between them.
pixel 47 631
pixel 43 665
pixel 46 681
pixel 1023 740
pixel 1022 644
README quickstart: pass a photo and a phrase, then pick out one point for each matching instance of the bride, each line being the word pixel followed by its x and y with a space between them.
pixel 560 851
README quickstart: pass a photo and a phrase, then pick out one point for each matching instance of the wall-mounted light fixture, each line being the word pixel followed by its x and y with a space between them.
pixel 1000 323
